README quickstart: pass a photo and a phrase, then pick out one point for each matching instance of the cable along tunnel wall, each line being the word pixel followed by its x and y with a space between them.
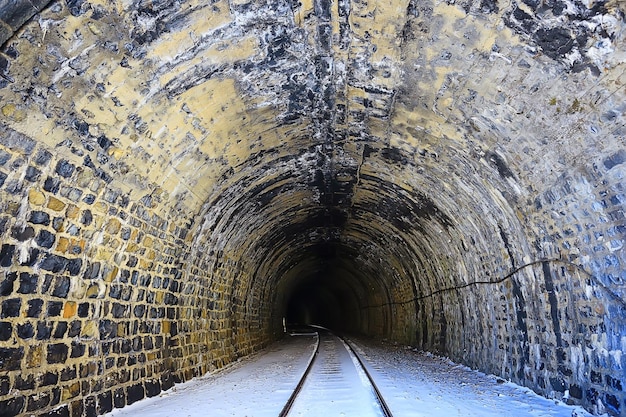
pixel 172 175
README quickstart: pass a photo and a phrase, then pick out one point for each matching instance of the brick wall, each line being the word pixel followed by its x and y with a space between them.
pixel 90 284
pixel 170 174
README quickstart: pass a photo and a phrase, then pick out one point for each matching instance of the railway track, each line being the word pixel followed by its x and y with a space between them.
pixel 335 382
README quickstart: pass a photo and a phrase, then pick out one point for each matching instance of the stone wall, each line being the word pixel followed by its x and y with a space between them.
pixel 90 285
pixel 174 175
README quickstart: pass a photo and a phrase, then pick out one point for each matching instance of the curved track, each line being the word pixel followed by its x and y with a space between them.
pixel 335 382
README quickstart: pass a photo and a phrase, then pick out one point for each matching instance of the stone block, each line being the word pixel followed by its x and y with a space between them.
pixel 44 330
pixel 10 358
pixel 32 174
pixel 68 373
pixel 45 239
pixel 64 168
pixel 61 287
pixel 28 283
pixel 12 406
pixel 52 185
pixel 48 378
pixel 53 263
pixel 6 256
pixel 16 13
pixel 74 329
pixel 42 157
pixel 6 330
pixel 54 308
pixel 37 401
pixel 62 411
pixel 105 402
pixel 34 308
pixel 74 266
pixel 7 284
pixel 59 330
pixel 57 353
pixel 119 398
pixel 22 233
pixel 11 308
pixel 39 217
pixel 25 330
pixel 134 393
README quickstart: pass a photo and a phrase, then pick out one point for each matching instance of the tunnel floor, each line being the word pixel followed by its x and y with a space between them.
pixel 413 384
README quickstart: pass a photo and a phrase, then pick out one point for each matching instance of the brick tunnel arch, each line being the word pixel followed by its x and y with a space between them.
pixel 176 178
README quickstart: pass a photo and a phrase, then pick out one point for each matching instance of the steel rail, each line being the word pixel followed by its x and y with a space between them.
pixel 352 352
pixel 285 411
pixel 379 397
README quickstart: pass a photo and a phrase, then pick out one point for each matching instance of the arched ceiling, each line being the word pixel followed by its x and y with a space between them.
pixel 410 131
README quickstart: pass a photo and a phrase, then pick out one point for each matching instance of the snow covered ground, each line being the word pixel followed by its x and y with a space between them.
pixel 259 385
pixel 413 384
pixel 419 384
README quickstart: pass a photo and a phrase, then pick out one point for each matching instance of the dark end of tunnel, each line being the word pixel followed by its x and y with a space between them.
pixel 317 305
pixel 331 288
pixel 326 298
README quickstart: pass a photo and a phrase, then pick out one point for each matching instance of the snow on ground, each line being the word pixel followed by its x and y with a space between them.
pixel 417 384
pixel 259 385
pixel 413 384
pixel 335 387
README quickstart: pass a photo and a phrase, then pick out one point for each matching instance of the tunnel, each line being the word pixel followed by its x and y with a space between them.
pixel 179 179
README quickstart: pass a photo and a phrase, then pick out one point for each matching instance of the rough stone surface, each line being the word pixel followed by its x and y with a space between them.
pixel 178 176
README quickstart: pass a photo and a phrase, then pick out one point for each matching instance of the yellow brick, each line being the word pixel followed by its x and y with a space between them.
pixel 36 197
pixel 69 309
pixel 165 326
pixel 101 207
pixel 112 274
pixel 72 212
pixel 8 110
pixel 12 112
pixel 63 244
pixel 90 330
pixel 113 226
pixel 55 204
pixel 93 291
pixel 103 253
pixel 70 391
pixel 34 356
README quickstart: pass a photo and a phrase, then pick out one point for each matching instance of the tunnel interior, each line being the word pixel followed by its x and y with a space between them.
pixel 331 295
pixel 179 179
